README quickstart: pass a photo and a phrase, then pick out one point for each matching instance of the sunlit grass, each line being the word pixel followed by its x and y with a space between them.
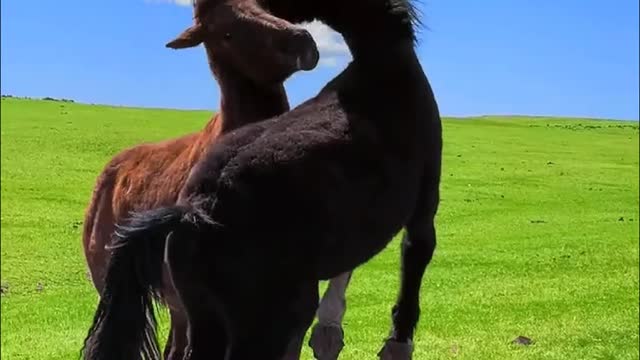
pixel 537 236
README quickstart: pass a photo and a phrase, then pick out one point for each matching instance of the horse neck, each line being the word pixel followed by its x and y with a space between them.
pixel 385 83
pixel 212 129
pixel 379 70
pixel 388 52
pixel 242 101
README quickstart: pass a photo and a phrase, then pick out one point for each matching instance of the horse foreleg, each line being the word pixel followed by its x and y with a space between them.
pixel 327 336
pixel 418 246
pixel 286 313
pixel 198 332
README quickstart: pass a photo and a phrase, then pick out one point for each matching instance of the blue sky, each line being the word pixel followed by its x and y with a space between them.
pixel 544 57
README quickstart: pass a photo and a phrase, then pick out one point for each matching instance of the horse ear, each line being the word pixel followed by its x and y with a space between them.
pixel 191 37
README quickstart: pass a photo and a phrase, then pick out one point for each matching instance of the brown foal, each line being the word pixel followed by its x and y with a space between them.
pixel 250 61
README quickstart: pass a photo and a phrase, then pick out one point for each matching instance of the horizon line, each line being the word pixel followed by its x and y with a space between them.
pixel 465 116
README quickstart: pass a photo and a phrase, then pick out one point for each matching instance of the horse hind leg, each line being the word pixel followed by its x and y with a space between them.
pixel 99 229
pixel 167 348
pixel 177 341
pixel 418 246
pixel 327 335
pixel 295 347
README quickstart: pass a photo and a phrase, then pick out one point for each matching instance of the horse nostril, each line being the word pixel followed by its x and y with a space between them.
pixel 309 59
pixel 301 48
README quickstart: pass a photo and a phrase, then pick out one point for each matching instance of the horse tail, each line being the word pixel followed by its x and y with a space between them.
pixel 124 324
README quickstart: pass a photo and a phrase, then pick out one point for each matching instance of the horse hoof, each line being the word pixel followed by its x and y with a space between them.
pixel 326 341
pixel 394 350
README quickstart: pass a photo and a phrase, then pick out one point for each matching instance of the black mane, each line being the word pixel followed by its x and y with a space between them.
pixel 407 14
pixel 401 17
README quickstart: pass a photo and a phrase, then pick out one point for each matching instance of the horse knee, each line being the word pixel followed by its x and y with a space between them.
pixel 418 247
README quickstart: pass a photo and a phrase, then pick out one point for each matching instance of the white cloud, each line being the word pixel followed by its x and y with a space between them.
pixel 330 44
pixel 331 61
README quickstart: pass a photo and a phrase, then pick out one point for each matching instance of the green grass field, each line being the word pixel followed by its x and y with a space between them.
pixel 538 236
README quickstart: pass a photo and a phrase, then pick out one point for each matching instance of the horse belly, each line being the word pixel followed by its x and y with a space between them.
pixel 364 231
